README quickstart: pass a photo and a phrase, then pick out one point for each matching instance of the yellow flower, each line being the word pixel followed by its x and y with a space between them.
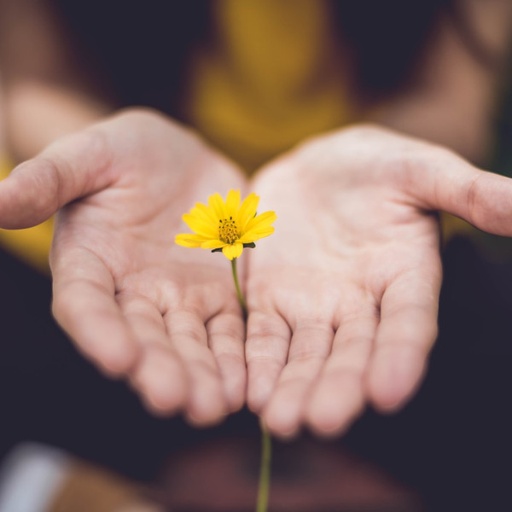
pixel 226 225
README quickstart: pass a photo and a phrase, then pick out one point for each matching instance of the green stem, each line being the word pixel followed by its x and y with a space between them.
pixel 266 443
pixel 239 293
pixel 266 459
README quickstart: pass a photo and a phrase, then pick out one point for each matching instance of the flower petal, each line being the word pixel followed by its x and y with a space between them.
pixel 247 210
pixel 232 203
pixel 200 227
pixel 263 220
pixel 213 244
pixel 232 251
pixel 253 235
pixel 259 227
pixel 205 213
pixel 188 240
pixel 216 202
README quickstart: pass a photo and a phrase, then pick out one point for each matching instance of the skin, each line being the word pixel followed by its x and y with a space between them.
pixel 138 306
pixel 342 299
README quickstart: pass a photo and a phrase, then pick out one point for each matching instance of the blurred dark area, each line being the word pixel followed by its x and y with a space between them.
pixel 134 70
pixel 450 446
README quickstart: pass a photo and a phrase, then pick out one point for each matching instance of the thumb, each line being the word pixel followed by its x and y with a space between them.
pixel 72 167
pixel 449 183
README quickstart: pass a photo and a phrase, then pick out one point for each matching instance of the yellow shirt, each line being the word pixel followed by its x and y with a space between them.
pixel 271 78
pixel 31 245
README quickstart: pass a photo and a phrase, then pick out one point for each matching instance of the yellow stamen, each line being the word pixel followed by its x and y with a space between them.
pixel 228 231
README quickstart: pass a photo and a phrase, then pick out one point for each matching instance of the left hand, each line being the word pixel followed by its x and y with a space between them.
pixel 343 300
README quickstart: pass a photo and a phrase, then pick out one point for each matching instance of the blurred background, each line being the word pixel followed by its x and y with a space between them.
pixel 78 441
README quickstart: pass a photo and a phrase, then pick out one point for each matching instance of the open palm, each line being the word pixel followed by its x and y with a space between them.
pixel 139 306
pixel 343 299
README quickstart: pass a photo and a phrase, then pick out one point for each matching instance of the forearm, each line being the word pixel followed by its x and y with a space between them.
pixel 36 113
pixel 469 132
pixel 454 97
pixel 45 90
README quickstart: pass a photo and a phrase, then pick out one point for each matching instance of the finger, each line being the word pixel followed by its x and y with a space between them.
pixel 446 182
pixel 85 307
pixel 266 350
pixel 339 395
pixel 72 167
pixel 226 334
pixel 310 345
pixel 159 376
pixel 206 402
pixel 405 336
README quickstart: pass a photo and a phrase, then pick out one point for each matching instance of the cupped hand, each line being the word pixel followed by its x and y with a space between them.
pixel 343 299
pixel 163 317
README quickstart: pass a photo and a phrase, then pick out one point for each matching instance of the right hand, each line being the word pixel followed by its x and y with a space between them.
pixel 161 316
pixel 343 300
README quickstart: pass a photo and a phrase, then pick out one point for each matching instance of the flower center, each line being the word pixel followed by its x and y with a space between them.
pixel 228 231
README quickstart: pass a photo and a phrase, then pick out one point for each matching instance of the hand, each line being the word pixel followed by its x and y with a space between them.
pixel 343 298
pixel 165 318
